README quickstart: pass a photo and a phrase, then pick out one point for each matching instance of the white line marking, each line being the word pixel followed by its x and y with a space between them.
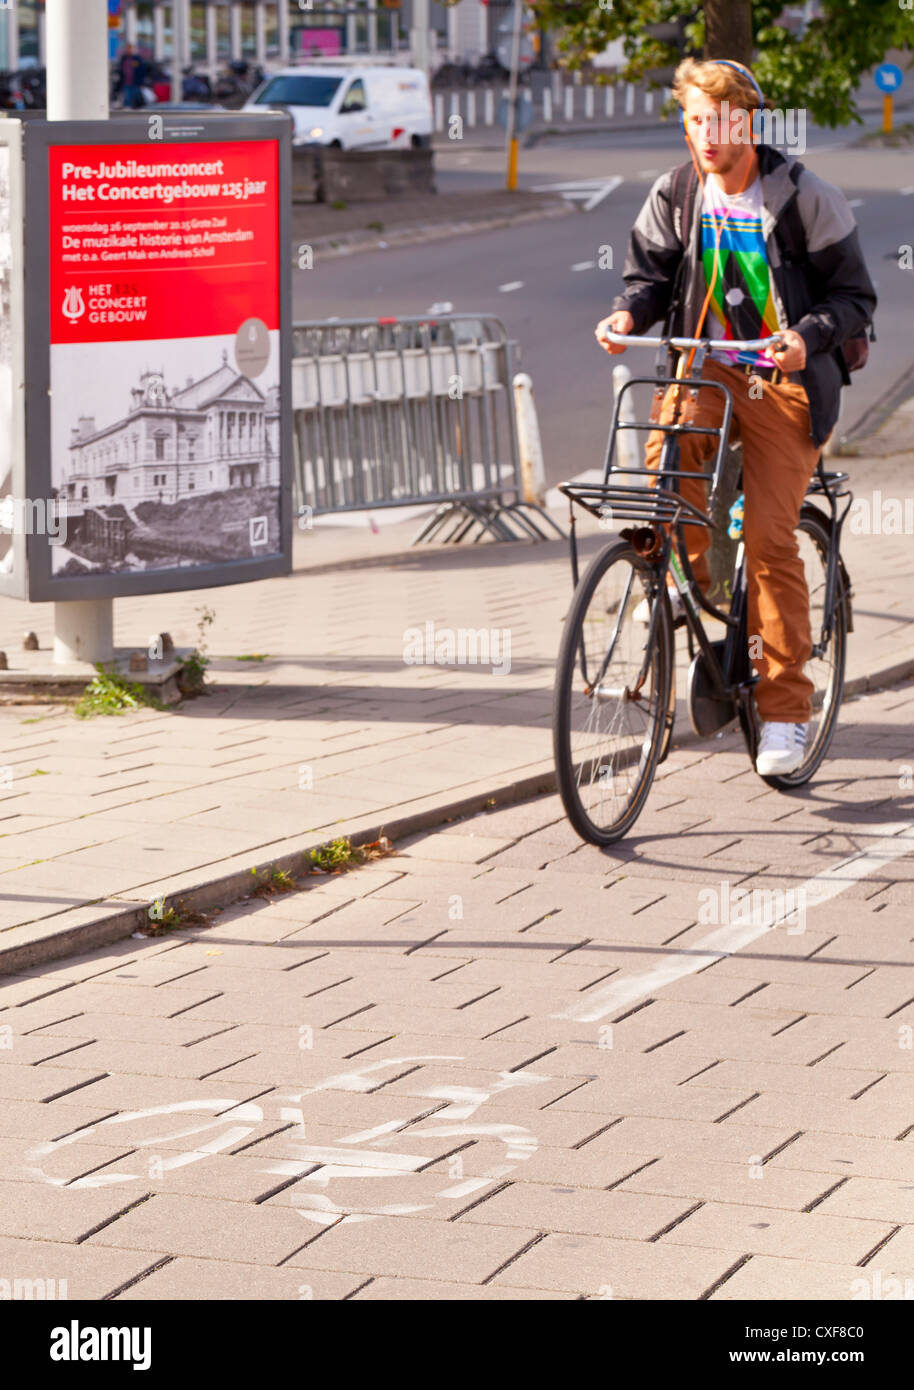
pixel 855 203
pixel 725 941
pixel 590 192
pixel 573 183
pixel 511 285
pixel 906 192
pixel 647 173
pixel 584 265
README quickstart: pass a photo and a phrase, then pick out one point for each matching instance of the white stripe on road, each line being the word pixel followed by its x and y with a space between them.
pixel 584 265
pixel 855 203
pixel 589 192
pixel 511 285
pixel 725 941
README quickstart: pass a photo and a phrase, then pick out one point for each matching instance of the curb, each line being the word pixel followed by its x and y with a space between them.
pixel 347 244
pixel 872 420
pixel 233 887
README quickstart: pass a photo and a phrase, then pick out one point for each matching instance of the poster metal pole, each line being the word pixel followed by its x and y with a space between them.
pixel 77 83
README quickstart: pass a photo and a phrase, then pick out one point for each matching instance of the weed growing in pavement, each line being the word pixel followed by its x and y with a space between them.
pixel 192 676
pixel 332 858
pixel 111 693
pixel 163 919
pixel 276 881
pixel 254 656
pixel 341 854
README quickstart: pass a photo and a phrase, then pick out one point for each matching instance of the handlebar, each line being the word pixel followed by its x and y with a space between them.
pixel 732 344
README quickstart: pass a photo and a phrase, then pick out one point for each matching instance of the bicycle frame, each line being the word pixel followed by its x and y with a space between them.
pixel 660 508
pixel 659 505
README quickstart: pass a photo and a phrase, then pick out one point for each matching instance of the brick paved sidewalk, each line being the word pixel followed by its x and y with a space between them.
pixel 411 1081
pixel 331 733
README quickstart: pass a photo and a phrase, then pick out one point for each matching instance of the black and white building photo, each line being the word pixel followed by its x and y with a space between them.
pixel 169 455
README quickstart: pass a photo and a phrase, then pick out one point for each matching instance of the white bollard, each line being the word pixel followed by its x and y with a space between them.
pixel 547 105
pixel 569 103
pixel 648 103
pixel 628 452
pixel 529 445
pixel 629 99
pixel 588 102
pixel 471 108
pixel 439 111
pixel 490 106
pixel 610 101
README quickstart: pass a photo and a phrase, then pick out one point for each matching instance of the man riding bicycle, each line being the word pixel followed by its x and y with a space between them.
pixel 725 275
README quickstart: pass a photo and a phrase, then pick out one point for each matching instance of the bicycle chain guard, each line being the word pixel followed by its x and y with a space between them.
pixel 707 712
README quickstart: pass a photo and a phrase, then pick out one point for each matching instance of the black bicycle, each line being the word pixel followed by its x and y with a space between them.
pixel 615 691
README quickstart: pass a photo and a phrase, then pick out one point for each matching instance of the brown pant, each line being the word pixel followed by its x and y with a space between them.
pixel 779 459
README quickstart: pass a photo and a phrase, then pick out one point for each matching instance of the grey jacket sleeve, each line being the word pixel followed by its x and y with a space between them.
pixel 845 297
pixel 654 253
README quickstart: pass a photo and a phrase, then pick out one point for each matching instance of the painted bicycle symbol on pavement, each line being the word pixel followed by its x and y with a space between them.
pixel 377 1152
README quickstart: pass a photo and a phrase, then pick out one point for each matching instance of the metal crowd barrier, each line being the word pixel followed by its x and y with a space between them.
pixel 395 412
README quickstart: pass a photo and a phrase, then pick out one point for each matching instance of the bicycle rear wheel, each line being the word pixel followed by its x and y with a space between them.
pixel 612 695
pixel 825 667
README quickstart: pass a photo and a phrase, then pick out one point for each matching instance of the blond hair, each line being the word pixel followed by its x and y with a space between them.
pixel 717 81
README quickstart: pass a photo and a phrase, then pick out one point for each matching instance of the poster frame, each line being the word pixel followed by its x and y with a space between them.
pixel 15 584
pixel 175 129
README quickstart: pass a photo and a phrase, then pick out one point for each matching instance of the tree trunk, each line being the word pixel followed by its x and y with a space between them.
pixel 728 29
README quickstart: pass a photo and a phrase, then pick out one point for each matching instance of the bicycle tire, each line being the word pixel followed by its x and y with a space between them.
pixel 568 775
pixel 819 529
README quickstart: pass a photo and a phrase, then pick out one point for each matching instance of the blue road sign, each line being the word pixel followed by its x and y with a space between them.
pixel 888 77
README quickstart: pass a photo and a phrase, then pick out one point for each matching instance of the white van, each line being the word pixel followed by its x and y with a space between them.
pixel 351 107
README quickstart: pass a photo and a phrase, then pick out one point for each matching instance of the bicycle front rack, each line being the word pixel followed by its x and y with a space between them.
pixel 649 505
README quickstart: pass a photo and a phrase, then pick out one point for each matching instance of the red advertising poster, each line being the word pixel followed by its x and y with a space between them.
pixel 165 364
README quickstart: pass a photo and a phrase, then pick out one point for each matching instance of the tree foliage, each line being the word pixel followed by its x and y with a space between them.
pixel 819 70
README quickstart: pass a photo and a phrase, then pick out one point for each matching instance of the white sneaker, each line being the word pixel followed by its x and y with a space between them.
pixel 642 613
pixel 781 749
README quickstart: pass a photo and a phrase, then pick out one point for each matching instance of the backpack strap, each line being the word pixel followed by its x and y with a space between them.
pixel 682 205
pixel 682 200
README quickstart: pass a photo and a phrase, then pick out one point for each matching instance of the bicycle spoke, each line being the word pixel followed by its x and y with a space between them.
pixel 612 689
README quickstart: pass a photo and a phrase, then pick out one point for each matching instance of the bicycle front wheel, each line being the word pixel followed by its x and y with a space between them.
pixel 825 667
pixel 612 694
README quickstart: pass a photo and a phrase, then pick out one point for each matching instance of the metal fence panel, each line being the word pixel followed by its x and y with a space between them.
pixel 390 412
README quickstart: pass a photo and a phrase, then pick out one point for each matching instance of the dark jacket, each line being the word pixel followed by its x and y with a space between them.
pixel 132 70
pixel 827 301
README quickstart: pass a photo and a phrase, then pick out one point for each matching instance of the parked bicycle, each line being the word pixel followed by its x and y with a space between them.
pixel 615 690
